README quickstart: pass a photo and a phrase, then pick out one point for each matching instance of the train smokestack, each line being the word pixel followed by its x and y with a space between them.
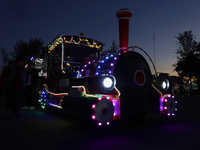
pixel 123 16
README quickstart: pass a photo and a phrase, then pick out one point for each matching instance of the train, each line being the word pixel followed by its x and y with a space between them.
pixel 103 87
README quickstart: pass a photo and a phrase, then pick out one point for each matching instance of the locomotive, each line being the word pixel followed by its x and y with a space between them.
pixel 103 87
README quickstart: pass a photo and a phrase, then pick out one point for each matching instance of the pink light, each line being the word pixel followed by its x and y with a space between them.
pixel 99 98
pixel 161 108
pixel 114 114
pixel 169 95
pixel 82 70
pixel 115 58
pixel 172 114
pixel 93 106
pixel 94 60
pixel 176 102
pixel 165 100
pixel 108 123
pixel 93 117
pixel 172 96
pixel 110 71
pixel 99 123
pixel 85 66
pixel 168 114
pixel 175 109
pixel 89 62
pixel 108 98
pixel 165 108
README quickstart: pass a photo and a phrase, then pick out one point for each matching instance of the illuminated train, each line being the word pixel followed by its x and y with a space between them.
pixel 102 88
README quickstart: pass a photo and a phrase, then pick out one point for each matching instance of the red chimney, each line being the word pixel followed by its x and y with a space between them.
pixel 123 16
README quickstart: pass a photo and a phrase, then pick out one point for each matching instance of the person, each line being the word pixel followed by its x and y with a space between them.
pixel 5 76
pixel 32 80
pixel 16 83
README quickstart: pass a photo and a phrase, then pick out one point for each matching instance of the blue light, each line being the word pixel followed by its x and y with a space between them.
pixel 31 58
pixel 99 66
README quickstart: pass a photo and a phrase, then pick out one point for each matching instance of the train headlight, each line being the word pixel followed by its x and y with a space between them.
pixel 165 84
pixel 109 82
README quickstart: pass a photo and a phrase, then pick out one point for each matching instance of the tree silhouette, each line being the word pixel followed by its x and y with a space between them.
pixel 114 47
pixel 29 49
pixel 5 58
pixel 188 55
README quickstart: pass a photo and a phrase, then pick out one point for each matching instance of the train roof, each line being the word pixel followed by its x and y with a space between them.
pixel 75 39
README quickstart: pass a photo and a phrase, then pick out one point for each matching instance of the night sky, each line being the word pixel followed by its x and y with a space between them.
pixel 45 19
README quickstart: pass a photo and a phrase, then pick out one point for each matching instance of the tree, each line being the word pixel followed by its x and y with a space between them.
pixel 29 49
pixel 187 55
pixel 32 48
pixel 114 47
pixel 5 58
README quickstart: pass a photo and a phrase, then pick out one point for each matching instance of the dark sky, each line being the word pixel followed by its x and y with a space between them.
pixel 45 19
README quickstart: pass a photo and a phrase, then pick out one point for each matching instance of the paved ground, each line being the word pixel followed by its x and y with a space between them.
pixel 36 129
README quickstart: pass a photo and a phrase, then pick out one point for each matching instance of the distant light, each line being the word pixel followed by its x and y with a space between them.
pixel 31 58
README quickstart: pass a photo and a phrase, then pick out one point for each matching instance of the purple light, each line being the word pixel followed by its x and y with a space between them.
pixel 82 70
pixel 110 71
pixel 89 62
pixel 94 60
pixel 176 102
pixel 85 66
pixel 168 114
pixel 175 109
pixel 115 58
pixel 111 64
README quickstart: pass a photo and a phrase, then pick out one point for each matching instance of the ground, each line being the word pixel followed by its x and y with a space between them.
pixel 37 129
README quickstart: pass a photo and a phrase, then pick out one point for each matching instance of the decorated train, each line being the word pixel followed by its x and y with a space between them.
pixel 103 87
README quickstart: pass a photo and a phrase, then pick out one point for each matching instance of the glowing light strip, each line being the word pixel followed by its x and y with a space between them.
pixel 85 94
pixel 55 94
pixel 62 58
pixel 55 43
pixel 98 95
pixel 94 45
